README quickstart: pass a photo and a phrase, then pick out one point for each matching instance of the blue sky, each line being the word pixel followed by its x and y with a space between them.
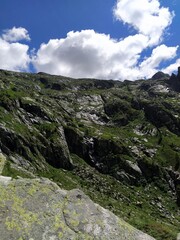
pixel 108 39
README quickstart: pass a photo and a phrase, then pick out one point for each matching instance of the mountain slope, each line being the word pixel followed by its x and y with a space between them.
pixel 117 141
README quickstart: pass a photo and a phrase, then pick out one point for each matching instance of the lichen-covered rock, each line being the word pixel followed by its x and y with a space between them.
pixel 38 209
pixel 2 161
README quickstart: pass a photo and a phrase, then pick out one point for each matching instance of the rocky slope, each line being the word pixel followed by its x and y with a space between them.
pixel 117 141
pixel 39 210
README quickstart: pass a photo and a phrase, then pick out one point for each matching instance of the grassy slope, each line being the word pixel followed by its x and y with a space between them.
pixel 151 208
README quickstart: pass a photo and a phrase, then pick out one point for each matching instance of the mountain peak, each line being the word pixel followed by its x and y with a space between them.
pixel 160 75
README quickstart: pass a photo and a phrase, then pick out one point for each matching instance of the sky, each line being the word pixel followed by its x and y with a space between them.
pixel 105 39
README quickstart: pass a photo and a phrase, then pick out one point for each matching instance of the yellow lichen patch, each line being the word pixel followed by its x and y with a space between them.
pixel 19 219
pixel 33 189
pixel 60 226
pixel 12 224
pixel 60 235
pixel 38 186
pixel 74 223
pixel 74 213
pixel 2 162
pixel 58 223
pixel 4 196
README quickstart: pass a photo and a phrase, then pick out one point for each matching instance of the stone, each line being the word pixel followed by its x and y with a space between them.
pixel 38 209
pixel 2 161
pixel 5 180
pixel 134 168
pixel 178 236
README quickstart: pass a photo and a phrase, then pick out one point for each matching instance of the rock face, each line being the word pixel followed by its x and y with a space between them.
pixel 39 210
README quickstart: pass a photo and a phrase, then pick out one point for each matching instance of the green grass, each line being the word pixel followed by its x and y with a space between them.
pixel 9 171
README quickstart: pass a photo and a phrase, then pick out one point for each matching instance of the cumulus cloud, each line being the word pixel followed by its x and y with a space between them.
pixel 172 67
pixel 90 54
pixel 15 34
pixel 159 54
pixel 146 16
pixel 13 55
pixel 95 55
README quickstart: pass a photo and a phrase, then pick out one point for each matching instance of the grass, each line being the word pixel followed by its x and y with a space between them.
pixel 9 171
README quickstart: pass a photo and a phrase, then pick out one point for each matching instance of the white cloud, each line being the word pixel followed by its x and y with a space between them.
pixel 95 55
pixel 15 34
pixel 86 53
pixel 90 54
pixel 159 54
pixel 146 16
pixel 13 55
pixel 172 67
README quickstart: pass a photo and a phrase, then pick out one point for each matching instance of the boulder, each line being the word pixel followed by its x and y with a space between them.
pixel 38 209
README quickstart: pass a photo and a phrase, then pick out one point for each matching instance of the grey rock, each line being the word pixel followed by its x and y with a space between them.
pixel 125 177
pixel 2 161
pixel 38 209
pixel 178 236
pixel 134 168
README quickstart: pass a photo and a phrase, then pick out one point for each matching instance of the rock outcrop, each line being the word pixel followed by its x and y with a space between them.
pixel 38 209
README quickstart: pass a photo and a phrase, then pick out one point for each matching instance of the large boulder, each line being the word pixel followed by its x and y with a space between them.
pixel 38 209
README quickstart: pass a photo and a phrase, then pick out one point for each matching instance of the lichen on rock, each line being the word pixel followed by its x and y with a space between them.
pixel 2 161
pixel 38 209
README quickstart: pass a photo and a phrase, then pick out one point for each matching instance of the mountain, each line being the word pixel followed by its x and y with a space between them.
pixel 119 142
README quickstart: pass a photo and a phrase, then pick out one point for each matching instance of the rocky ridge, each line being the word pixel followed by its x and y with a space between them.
pixel 111 139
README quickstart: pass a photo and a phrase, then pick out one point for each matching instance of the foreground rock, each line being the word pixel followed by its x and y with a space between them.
pixel 38 209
